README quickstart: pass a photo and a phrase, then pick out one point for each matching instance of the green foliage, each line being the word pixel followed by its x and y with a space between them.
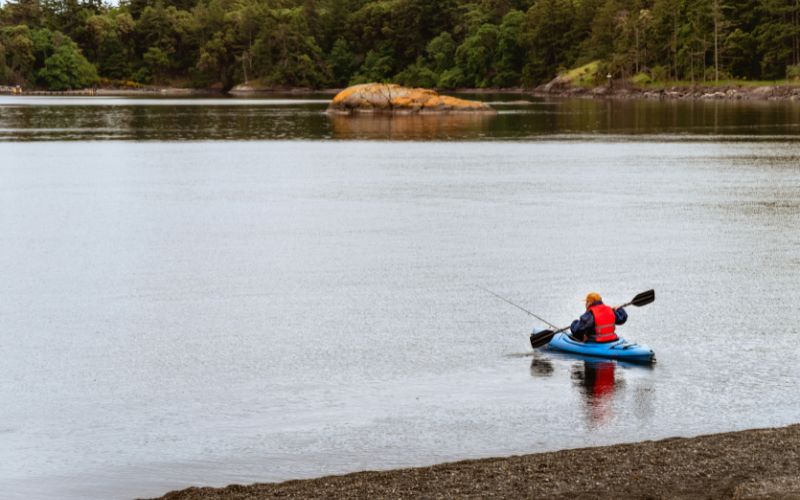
pixel 641 79
pixel 22 12
pixel 377 67
pixel 510 51
pixel 17 55
pixel 587 75
pixel 476 55
pixel 441 52
pixel 549 39
pixel 417 75
pixel 452 78
pixel 287 55
pixel 342 61
pixel 66 68
pixel 157 62
pixel 659 73
pixel 793 72
pixel 446 43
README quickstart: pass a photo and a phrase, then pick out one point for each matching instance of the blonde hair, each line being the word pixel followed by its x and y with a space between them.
pixel 593 297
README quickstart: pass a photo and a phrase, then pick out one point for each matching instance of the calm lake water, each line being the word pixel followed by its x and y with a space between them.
pixel 221 294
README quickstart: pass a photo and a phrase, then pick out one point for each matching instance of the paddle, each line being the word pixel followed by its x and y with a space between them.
pixel 541 338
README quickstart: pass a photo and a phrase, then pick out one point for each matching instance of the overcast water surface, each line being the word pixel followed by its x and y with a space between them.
pixel 220 294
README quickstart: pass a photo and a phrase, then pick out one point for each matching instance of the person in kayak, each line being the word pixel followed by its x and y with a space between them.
pixel 598 323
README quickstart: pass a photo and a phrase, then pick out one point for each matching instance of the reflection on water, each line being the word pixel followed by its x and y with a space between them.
pixel 410 127
pixel 597 382
pixel 519 117
pixel 541 366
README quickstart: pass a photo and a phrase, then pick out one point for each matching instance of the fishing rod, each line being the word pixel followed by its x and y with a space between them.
pixel 551 325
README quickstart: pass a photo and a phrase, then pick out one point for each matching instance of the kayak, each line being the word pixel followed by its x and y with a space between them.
pixel 619 349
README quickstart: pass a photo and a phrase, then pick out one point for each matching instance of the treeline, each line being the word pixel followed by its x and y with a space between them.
pixel 61 44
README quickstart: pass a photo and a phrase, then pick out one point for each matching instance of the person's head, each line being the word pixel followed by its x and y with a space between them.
pixel 593 297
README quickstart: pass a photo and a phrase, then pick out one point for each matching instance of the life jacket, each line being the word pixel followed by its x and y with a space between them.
pixel 604 319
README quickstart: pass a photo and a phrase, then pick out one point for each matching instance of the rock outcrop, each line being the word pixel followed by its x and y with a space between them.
pixel 392 98
pixel 621 89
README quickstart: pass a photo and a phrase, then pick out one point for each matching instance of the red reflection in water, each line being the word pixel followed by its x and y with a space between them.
pixel 597 381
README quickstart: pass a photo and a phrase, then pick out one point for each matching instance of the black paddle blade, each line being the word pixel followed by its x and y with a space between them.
pixel 539 339
pixel 644 298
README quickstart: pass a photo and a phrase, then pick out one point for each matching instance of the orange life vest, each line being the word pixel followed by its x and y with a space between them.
pixel 604 319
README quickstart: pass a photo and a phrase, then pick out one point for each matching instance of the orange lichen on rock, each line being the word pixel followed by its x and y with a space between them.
pixel 393 98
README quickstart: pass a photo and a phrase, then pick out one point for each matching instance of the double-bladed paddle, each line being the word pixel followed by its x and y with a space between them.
pixel 541 338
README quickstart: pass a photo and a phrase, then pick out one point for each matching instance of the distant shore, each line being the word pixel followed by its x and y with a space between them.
pixel 617 90
pixel 760 463
pixel 678 92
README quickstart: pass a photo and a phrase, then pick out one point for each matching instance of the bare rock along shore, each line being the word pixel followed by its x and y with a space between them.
pixel 753 464
pixel 621 90
pixel 391 98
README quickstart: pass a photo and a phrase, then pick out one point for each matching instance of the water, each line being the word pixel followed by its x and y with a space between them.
pixel 518 118
pixel 210 311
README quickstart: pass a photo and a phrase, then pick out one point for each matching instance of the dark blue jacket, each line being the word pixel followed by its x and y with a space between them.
pixel 583 327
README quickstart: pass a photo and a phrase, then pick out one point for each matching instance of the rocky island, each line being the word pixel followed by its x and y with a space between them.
pixel 393 98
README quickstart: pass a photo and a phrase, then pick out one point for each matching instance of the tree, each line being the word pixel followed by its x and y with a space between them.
pixel 441 52
pixel 453 43
pixel 417 75
pixel 377 67
pixel 510 53
pixel 22 12
pixel 739 48
pixel 286 54
pixel 777 37
pixel 18 62
pixel 157 62
pixel 476 56
pixel 549 39
pixel 66 68
pixel 342 62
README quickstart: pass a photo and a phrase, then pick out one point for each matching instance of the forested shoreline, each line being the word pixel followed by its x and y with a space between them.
pixel 68 44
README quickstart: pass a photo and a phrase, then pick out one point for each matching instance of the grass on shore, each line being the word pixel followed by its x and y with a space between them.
pixel 583 76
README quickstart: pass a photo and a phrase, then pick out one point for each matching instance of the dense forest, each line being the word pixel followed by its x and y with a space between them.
pixel 62 44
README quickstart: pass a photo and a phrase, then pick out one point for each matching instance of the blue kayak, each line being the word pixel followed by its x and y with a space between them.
pixel 619 349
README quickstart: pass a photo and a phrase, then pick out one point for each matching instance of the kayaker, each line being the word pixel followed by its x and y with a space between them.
pixel 597 324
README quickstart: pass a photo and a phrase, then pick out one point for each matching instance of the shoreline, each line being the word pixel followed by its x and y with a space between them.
pixel 756 463
pixel 619 90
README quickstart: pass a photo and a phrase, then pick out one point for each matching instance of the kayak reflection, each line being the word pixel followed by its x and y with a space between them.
pixel 597 382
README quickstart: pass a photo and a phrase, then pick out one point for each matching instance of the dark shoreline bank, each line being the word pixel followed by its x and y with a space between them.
pixel 760 463
pixel 619 90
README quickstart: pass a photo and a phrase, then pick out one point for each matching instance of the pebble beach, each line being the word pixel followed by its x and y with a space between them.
pixel 762 463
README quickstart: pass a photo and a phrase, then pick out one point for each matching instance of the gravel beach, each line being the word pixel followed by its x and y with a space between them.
pixel 762 463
